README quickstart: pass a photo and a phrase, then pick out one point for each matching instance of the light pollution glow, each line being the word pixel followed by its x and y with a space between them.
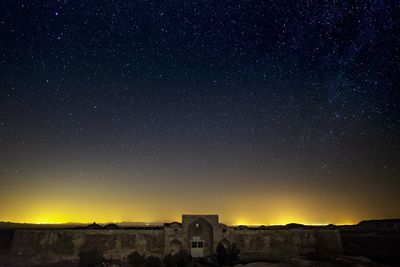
pixel 91 198
pixel 250 115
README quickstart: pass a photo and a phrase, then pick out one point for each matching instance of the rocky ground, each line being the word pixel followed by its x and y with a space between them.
pixel 335 261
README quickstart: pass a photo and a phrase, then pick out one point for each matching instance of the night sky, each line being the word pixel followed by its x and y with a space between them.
pixel 264 112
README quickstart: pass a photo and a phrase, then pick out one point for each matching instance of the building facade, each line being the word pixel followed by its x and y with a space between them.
pixel 197 234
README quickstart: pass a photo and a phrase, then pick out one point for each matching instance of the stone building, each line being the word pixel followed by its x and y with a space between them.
pixel 197 234
pixel 201 234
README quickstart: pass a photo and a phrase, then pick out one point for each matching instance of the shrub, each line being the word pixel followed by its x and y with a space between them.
pixel 169 261
pixel 227 256
pixel 233 254
pixel 182 259
pixel 91 258
pixel 221 254
pixel 136 259
pixel 153 262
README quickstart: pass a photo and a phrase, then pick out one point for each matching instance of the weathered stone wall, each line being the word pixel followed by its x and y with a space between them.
pixel 47 246
pixel 38 246
pixel 174 238
pixel 188 222
pixel 278 244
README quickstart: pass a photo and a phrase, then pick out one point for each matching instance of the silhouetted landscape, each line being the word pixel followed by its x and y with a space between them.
pixel 368 243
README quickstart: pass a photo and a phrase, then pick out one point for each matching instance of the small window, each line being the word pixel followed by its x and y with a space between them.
pixel 194 244
pixel 200 244
pixel 175 230
pixel 224 230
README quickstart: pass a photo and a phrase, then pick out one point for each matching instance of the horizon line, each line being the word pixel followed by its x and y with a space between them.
pixel 161 223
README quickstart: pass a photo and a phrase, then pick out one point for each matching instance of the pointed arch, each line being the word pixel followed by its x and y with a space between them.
pixel 200 237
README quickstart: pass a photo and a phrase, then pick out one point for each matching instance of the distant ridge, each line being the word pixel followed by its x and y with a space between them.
pixel 13 225
pixel 381 225
pixel 380 221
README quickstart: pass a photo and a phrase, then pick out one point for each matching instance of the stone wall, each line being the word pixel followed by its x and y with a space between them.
pixel 38 246
pixel 174 238
pixel 47 246
pixel 278 244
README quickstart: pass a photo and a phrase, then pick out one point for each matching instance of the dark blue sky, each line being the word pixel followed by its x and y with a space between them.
pixel 296 94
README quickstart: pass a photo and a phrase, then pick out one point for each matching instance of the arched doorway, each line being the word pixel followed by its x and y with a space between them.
pixel 175 246
pixel 200 238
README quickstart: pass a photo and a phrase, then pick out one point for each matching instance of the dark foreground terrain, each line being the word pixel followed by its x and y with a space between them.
pixel 376 240
pixel 369 243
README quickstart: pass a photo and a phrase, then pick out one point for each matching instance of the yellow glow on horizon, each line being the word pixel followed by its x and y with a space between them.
pixel 99 201
pixel 288 221
pixel 239 223
pixel 73 211
pixel 58 218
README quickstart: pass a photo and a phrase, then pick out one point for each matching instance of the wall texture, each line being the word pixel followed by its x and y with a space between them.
pixel 277 244
pixel 37 246
pixel 47 246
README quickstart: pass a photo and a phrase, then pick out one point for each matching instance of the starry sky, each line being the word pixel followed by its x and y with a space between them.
pixel 265 112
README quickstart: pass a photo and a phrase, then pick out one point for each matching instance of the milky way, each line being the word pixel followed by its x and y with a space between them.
pixel 192 102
